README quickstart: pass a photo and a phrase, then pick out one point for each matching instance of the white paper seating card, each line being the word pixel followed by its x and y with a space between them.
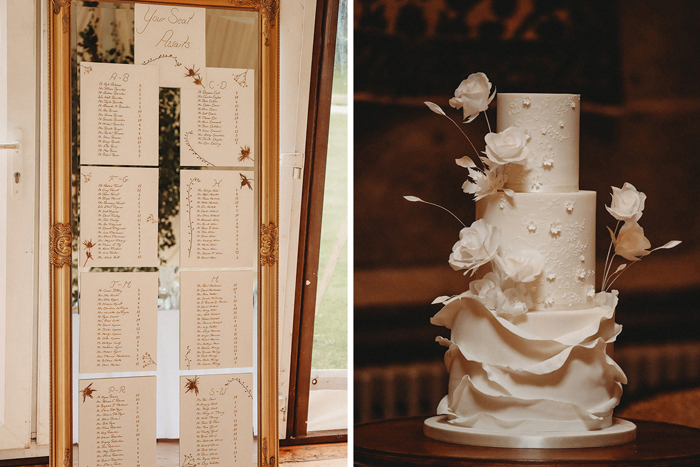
pixel 173 39
pixel 118 321
pixel 216 420
pixel 216 226
pixel 218 120
pixel 216 319
pixel 119 217
pixel 118 114
pixel 117 422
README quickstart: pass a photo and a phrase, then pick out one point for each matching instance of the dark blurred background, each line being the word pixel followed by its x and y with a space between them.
pixel 636 65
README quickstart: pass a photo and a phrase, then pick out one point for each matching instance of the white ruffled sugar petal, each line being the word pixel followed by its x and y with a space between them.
pixel 469 187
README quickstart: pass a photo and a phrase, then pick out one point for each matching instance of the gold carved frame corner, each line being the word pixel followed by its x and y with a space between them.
pixel 65 18
pixel 60 209
pixel 269 10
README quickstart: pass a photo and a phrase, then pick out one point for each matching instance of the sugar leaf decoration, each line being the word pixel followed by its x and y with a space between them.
pixel 612 234
pixel 415 199
pixel 668 246
pixel 441 299
pixel 435 108
pixel 466 162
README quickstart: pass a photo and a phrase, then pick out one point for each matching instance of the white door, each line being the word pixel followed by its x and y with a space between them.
pixel 20 107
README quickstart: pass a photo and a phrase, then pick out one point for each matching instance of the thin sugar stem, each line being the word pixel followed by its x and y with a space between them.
pixel 465 135
pixel 619 274
pixel 607 267
pixel 444 209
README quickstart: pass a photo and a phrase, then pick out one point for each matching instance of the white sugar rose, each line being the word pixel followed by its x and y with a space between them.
pixel 508 146
pixel 477 245
pixel 516 301
pixel 627 203
pixel 631 243
pixel 522 266
pixel 485 183
pixel 472 96
pixel 487 291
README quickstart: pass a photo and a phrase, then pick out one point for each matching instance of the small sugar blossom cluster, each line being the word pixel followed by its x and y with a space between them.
pixel 503 290
pixel 629 241
pixel 509 146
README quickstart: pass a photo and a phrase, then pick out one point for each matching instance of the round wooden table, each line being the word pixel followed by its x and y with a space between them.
pixel 400 442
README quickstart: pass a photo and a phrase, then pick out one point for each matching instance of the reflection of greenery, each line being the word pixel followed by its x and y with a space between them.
pixel 89 50
pixel 340 65
pixel 330 347
pixel 169 160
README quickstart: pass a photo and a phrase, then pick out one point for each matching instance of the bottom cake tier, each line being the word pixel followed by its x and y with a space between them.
pixel 540 371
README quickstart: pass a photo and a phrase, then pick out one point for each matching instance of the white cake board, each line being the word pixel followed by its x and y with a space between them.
pixel 620 432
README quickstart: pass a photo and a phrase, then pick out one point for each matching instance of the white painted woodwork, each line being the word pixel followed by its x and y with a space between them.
pixel 296 46
pixel 19 227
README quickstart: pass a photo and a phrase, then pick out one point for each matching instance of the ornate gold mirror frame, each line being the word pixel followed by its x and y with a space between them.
pixel 61 230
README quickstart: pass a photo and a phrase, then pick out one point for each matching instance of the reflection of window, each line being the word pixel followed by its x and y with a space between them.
pixel 318 406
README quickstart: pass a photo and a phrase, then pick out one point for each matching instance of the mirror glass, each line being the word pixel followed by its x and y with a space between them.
pixel 165 209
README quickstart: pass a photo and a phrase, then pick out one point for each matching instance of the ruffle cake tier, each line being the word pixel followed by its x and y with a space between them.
pixel 543 371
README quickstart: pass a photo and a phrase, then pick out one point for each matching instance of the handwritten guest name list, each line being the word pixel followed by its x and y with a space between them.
pixel 216 319
pixel 216 227
pixel 218 120
pixel 216 420
pixel 117 422
pixel 119 216
pixel 172 38
pixel 118 321
pixel 118 114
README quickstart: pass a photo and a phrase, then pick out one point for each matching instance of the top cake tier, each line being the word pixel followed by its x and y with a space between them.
pixel 552 121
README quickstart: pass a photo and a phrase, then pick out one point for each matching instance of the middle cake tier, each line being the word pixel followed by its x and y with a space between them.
pixel 561 226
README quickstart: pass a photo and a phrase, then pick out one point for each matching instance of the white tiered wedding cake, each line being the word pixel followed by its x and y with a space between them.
pixel 528 355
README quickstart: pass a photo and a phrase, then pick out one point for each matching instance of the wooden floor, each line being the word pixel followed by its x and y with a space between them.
pixel 314 455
